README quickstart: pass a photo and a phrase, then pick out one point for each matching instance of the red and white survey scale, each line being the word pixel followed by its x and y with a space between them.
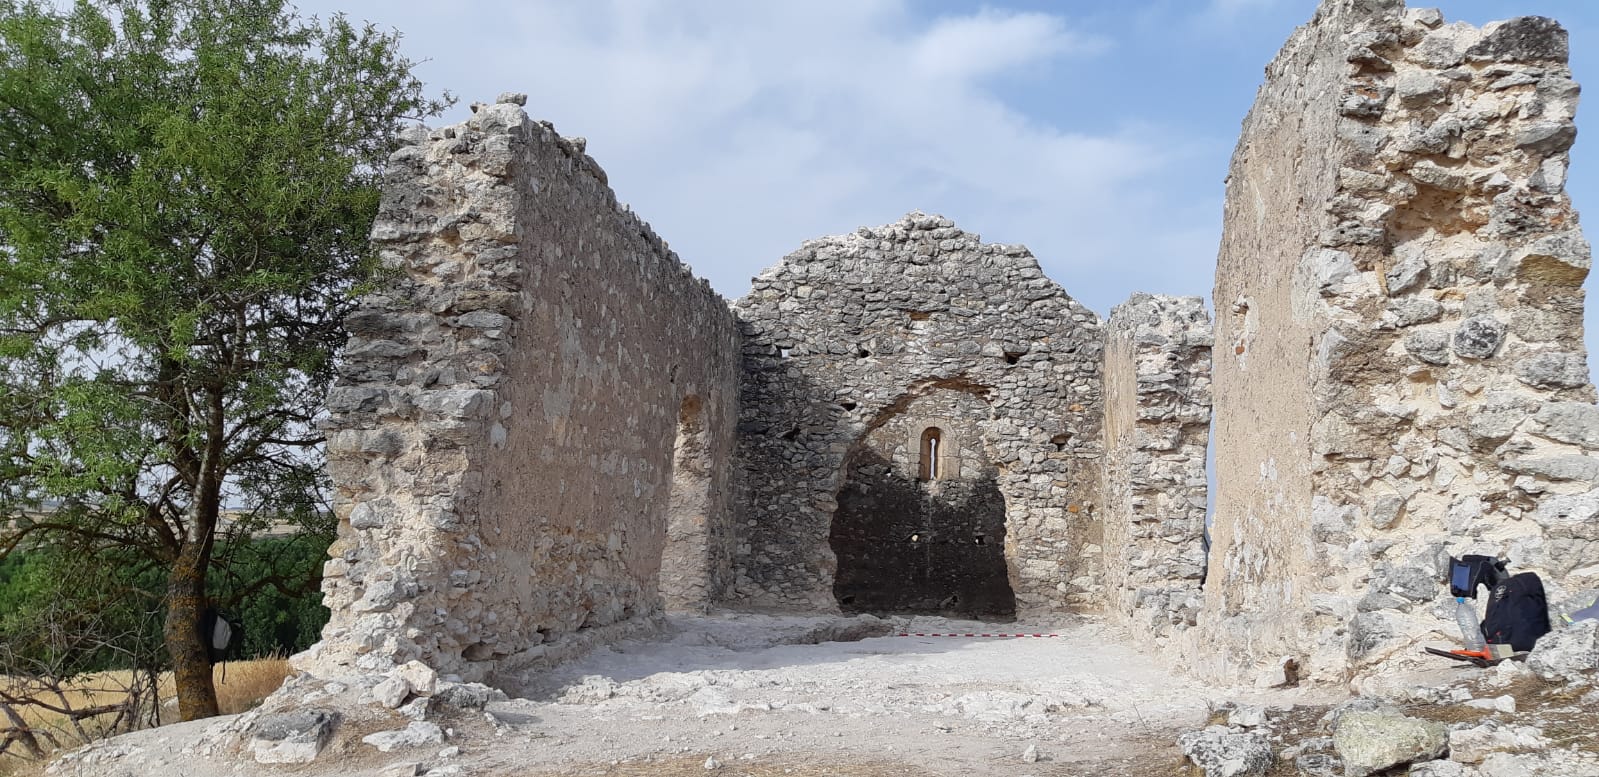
pixel 919 634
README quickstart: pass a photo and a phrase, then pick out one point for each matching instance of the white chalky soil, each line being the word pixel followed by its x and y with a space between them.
pixel 735 689
pixel 954 705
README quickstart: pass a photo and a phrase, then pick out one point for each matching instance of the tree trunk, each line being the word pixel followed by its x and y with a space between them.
pixel 191 662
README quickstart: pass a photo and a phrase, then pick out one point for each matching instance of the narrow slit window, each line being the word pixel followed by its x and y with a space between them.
pixel 932 445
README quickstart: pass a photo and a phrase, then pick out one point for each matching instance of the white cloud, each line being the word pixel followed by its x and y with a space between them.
pixel 740 129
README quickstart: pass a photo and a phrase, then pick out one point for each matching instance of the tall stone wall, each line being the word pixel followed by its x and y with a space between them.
pixel 512 406
pixel 1400 373
pixel 1157 426
pixel 848 332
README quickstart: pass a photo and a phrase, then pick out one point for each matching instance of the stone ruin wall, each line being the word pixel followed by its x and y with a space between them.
pixel 845 333
pixel 519 412
pixel 1400 373
pixel 547 429
pixel 1156 429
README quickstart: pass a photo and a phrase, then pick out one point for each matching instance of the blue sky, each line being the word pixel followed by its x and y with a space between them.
pixel 1097 133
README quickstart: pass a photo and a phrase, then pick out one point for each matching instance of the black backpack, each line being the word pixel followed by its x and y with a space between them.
pixel 1518 612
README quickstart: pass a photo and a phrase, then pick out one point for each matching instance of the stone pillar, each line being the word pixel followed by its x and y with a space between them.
pixel 1157 425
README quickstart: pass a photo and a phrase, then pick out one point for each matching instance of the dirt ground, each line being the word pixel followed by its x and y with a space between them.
pixel 732 695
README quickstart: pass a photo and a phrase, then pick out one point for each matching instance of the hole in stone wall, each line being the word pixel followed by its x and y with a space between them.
pixel 1012 357
pixel 861 352
pixel 916 538
pixel 792 434
pixel 847 405
pixel 685 558
pixel 1060 441
pixel 978 539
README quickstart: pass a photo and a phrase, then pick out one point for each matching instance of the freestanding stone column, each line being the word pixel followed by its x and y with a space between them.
pixel 1400 373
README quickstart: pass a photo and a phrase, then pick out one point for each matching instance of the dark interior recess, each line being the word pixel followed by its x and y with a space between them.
pixel 920 547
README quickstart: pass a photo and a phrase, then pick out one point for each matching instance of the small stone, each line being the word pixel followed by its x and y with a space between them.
pixel 712 763
pixel 1224 753
pixel 450 752
pixel 1030 755
pixel 1370 742
pixel 419 677
pixel 1553 370
pixel 1479 337
pixel 416 734
pixel 391 693
pixel 1429 346
pixel 291 737
pixel 514 98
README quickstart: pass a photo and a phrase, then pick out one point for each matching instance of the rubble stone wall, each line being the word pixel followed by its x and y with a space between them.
pixel 1157 426
pixel 847 332
pixel 503 436
pixel 1400 373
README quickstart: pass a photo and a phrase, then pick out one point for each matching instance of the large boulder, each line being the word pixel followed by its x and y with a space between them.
pixel 1223 752
pixel 1370 742
pixel 1568 652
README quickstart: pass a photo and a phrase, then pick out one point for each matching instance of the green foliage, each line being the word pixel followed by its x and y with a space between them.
pixel 186 188
pixel 281 618
pixel 87 615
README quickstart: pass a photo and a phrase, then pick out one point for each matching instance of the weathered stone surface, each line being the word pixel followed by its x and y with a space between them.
pixel 1222 752
pixel 1370 742
pixel 505 439
pixel 1157 426
pixel 1437 405
pixel 417 734
pixel 1567 652
pixel 852 332
pixel 291 737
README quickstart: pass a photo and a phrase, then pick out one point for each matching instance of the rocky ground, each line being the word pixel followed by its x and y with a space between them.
pixel 759 695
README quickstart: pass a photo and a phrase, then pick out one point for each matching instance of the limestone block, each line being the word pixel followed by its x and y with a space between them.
pixel 291 737
pixel 1370 742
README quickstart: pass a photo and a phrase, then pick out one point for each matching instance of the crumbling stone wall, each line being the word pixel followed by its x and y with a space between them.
pixel 1157 426
pixel 847 332
pixel 503 437
pixel 1400 373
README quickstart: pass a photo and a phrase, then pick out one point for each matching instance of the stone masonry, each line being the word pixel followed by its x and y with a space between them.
pixel 548 431
pixel 1400 373
pixel 503 436
pixel 845 333
pixel 1157 427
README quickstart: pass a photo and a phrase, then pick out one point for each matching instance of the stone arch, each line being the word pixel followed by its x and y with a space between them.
pixel 920 531
pixel 686 556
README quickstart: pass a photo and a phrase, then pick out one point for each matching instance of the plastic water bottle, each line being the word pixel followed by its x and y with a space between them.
pixel 1470 630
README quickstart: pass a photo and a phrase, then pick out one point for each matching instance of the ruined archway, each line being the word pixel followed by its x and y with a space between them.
pixel 920 522
pixel 685 560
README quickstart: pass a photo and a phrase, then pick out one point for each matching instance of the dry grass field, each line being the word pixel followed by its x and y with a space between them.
pixel 241 685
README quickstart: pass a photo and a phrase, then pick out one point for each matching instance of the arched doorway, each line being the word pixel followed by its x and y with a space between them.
pixel 920 523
